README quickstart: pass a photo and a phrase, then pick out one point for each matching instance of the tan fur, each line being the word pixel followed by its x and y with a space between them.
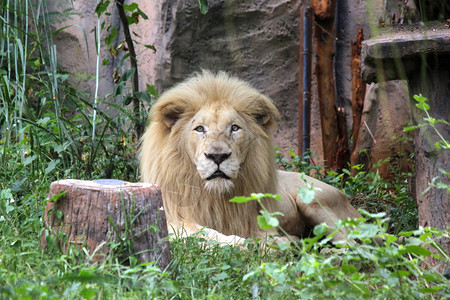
pixel 173 156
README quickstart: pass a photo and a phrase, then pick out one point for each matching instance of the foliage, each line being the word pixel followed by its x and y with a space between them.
pixel 441 145
pixel 47 123
pixel 313 269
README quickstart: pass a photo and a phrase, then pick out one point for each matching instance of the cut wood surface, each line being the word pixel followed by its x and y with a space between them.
pixel 135 209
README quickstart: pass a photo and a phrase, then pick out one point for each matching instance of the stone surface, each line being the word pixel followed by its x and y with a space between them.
pixel 255 40
pixel 398 52
pixel 381 133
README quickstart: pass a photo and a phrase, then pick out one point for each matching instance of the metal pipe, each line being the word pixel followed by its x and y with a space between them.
pixel 307 44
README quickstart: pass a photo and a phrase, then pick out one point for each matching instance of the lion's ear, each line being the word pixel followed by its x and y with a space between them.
pixel 266 113
pixel 262 119
pixel 171 113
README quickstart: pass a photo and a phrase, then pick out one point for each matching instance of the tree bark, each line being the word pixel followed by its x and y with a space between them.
pixel 138 122
pixel 358 93
pixel 135 210
pixel 334 139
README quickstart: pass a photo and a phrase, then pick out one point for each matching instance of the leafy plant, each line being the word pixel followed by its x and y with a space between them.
pixel 352 270
pixel 266 220
pixel 129 14
pixel 442 144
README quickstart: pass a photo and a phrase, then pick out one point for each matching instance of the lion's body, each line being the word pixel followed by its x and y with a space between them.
pixel 209 141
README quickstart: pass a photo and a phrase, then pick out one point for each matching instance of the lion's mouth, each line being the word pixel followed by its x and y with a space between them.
pixel 218 174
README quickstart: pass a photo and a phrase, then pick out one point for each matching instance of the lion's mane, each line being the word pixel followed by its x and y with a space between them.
pixel 164 159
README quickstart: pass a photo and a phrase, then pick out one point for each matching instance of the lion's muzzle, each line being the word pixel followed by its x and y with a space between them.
pixel 218 158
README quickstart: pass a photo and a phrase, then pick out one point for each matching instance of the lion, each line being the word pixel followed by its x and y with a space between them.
pixel 209 140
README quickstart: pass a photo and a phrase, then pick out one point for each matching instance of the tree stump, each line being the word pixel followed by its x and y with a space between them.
pixel 101 211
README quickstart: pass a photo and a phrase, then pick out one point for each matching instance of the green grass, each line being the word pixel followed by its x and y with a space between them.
pixel 201 269
pixel 47 134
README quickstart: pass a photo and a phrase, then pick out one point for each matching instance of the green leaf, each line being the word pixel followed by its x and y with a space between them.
pixel 415 249
pixel 152 90
pixel 57 196
pixel 348 269
pixel 241 199
pixel 370 215
pixel 346 171
pixel 51 166
pixel 220 276
pixel 83 276
pixel 128 74
pixel 132 20
pixel 262 222
pixel 101 7
pixel 441 185
pixel 445 173
pixel 267 221
pixel 320 230
pixel 142 14
pixel 58 214
pixel 410 128
pixel 130 7
pixel 430 120
pixel 203 4
pixel 6 194
pixel 150 47
pixel 420 98
pixel 248 275
pixel 402 273
pixel 29 160
pixel 111 36
pixel 88 293
pixel 307 195
pixel 368 230
pixel 423 106
pixel 43 121
pixel 276 196
pixel 431 290
pixel 257 196
pixel 105 62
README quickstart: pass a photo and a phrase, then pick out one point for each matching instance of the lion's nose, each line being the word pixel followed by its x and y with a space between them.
pixel 218 158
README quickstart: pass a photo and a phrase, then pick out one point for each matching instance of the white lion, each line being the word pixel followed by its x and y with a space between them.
pixel 209 141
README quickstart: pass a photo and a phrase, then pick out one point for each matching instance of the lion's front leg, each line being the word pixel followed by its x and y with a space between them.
pixel 187 229
pixel 191 229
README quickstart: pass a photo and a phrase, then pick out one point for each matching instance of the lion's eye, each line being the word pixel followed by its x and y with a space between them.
pixel 234 127
pixel 200 129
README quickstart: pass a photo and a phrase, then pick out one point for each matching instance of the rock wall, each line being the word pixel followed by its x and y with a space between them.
pixel 257 40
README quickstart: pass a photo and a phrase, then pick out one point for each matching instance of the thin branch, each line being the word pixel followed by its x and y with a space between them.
pixel 133 62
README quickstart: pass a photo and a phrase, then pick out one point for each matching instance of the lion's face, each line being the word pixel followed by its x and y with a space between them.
pixel 218 140
pixel 210 136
